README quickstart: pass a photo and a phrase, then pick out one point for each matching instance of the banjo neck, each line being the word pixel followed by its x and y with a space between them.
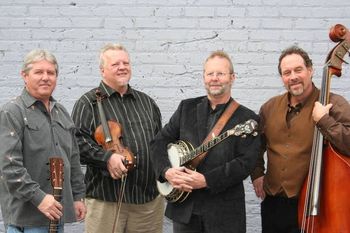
pixel 203 148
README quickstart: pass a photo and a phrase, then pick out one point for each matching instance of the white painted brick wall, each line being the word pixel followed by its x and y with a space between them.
pixel 168 42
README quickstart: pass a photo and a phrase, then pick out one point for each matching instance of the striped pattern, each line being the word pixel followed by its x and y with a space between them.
pixel 141 120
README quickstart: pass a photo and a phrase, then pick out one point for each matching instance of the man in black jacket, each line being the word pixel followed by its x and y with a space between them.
pixel 216 201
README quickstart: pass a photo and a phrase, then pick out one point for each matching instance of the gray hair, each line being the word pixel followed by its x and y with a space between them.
pixel 110 46
pixel 221 54
pixel 38 55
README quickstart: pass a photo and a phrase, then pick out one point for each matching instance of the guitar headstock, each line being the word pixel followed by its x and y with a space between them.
pixel 56 172
pixel 248 127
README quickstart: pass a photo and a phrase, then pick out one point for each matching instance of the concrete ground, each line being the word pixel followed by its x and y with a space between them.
pixel 79 227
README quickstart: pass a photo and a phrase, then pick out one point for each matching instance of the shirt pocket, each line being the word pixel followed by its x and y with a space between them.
pixel 36 129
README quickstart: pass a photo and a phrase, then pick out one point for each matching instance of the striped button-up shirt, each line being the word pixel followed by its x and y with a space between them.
pixel 140 120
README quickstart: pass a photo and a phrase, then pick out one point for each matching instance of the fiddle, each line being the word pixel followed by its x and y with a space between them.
pixel 109 135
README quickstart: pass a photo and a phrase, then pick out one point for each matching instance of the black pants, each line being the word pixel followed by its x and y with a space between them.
pixel 279 215
pixel 196 225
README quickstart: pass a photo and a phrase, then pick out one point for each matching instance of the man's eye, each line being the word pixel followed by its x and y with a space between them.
pixel 210 74
pixel 219 74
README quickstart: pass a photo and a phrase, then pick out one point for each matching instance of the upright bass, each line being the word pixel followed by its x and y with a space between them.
pixel 324 202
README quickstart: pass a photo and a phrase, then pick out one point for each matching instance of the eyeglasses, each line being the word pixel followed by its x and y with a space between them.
pixel 216 74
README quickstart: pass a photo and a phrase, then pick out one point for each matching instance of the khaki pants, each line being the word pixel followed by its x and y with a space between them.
pixel 143 218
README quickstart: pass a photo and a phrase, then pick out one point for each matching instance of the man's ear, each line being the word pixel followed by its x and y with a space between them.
pixel 233 77
pixel 101 71
pixel 311 70
pixel 24 76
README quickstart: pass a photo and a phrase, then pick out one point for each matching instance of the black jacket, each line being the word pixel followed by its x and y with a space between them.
pixel 226 165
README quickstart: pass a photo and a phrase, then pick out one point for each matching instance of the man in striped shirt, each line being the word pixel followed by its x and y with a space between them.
pixel 141 208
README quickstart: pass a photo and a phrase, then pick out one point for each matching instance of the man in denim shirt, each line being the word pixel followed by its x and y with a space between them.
pixel 34 128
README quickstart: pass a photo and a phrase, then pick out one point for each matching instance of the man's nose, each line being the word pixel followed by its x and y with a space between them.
pixel 45 76
pixel 293 75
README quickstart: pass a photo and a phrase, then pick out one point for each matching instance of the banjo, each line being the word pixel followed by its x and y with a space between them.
pixel 181 153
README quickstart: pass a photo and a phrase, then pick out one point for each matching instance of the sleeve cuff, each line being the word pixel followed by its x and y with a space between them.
pixel 38 197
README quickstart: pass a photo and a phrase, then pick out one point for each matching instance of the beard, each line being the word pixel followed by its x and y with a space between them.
pixel 295 90
pixel 216 92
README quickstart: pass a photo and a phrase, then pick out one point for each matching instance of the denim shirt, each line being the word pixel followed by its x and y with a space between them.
pixel 29 136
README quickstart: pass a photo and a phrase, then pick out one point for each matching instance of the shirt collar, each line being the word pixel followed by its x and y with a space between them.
pixel 219 106
pixel 107 90
pixel 299 106
pixel 29 100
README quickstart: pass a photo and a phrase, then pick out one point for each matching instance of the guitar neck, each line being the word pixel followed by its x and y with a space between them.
pixel 204 148
pixel 53 224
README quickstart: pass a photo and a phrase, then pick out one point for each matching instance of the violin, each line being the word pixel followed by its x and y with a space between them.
pixel 109 136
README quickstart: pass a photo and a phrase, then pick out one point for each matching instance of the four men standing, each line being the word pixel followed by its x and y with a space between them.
pixel 34 127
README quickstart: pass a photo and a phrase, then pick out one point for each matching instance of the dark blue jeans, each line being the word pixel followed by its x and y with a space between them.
pixel 14 229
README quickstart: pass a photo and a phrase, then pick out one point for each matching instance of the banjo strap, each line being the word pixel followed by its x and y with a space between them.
pixel 219 125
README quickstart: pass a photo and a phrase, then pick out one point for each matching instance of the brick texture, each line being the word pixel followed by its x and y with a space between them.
pixel 168 42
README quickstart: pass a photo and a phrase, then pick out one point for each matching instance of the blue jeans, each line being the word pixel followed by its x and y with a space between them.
pixel 14 229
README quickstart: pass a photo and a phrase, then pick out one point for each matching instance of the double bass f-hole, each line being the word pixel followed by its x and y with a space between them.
pixel 109 136
pixel 324 203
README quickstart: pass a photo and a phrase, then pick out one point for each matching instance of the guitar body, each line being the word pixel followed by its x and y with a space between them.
pixel 176 153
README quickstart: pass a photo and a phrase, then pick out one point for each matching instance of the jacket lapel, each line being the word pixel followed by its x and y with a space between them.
pixel 202 118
